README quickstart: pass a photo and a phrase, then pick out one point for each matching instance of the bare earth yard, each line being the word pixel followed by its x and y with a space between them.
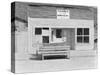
pixel 74 63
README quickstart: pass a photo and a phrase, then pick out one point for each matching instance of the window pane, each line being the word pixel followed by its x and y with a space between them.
pixel 45 39
pixel 58 33
pixel 86 39
pixel 79 39
pixel 52 36
pixel 46 28
pixel 79 31
pixel 86 31
pixel 38 31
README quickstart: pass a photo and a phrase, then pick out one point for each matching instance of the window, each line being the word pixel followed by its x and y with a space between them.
pixel 52 35
pixel 86 31
pixel 45 31
pixel 58 33
pixel 38 31
pixel 45 39
pixel 82 35
pixel 79 39
pixel 46 28
pixel 79 31
pixel 86 39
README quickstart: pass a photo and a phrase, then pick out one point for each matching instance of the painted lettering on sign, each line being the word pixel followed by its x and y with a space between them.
pixel 63 14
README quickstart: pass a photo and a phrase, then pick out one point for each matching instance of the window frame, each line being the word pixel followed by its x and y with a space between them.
pixel 38 32
pixel 57 31
pixel 83 36
pixel 45 38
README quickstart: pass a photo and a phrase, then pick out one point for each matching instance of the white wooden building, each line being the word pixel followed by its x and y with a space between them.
pixel 53 25
pixel 52 31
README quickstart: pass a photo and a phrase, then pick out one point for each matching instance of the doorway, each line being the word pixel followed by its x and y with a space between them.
pixel 63 36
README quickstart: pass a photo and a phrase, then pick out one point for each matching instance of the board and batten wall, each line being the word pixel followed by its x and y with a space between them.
pixel 23 10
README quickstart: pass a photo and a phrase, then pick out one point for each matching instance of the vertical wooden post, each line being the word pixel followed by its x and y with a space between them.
pixel 49 34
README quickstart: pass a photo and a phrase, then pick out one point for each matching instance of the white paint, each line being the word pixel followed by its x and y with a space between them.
pixel 21 42
pixel 45 32
pixel 69 23
pixel 60 23
pixel 59 40
pixel 63 13
pixel 55 39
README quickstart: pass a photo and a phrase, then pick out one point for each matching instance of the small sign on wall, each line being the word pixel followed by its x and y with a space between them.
pixel 63 14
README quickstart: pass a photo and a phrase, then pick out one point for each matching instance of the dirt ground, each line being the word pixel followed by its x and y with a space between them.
pixel 74 63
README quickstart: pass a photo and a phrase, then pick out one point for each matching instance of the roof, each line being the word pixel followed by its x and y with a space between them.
pixel 55 5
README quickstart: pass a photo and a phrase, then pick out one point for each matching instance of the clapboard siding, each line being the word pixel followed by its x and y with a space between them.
pixel 44 11
pixel 50 12
pixel 81 14
pixel 21 10
pixel 24 9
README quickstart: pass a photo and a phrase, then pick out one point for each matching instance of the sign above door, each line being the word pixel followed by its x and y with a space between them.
pixel 63 13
